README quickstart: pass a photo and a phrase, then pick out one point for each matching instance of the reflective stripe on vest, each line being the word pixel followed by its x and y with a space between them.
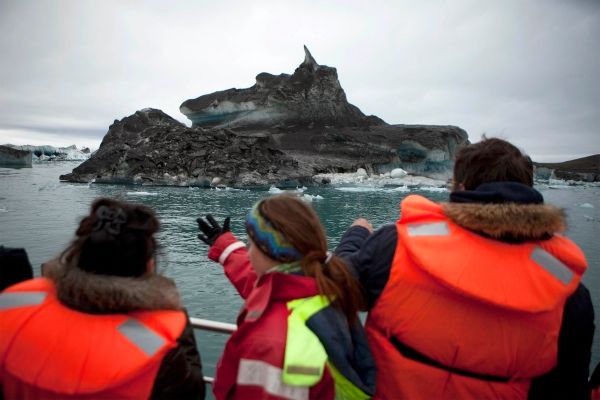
pixel 540 256
pixel 145 339
pixel 21 299
pixel 268 377
pixel 552 264
pixel 428 229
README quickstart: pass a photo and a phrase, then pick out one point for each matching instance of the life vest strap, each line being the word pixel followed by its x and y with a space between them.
pixel 415 355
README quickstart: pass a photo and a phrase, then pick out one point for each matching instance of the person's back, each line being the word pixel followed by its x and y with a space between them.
pixel 467 298
pixel 102 324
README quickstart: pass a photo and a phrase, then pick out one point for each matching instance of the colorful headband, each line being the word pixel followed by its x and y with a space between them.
pixel 271 242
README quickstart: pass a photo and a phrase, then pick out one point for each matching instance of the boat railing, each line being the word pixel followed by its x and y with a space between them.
pixel 212 326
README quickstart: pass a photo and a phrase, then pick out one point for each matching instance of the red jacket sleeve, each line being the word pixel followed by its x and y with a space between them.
pixel 232 254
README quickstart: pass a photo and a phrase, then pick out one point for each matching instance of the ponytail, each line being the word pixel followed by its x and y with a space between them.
pixel 335 281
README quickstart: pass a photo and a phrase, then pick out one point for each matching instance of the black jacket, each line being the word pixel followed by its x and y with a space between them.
pixel 371 256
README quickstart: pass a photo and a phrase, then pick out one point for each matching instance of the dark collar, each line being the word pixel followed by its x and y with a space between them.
pixel 498 193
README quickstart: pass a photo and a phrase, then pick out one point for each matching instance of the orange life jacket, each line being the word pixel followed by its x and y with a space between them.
pixel 465 316
pixel 50 351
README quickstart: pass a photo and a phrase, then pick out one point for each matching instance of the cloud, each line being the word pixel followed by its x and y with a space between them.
pixel 524 70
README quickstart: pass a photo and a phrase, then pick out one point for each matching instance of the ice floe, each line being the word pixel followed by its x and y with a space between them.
pixel 141 194
pixel 310 197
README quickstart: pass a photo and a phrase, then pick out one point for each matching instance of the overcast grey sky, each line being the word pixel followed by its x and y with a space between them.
pixel 526 71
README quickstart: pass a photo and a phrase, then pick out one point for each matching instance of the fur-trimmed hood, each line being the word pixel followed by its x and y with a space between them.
pixel 508 221
pixel 108 294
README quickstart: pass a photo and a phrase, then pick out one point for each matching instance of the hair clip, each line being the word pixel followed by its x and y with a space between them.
pixel 110 219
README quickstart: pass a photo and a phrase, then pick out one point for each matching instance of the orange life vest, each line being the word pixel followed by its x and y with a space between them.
pixel 465 316
pixel 50 351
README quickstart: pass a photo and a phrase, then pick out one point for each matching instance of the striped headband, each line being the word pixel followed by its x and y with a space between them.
pixel 270 241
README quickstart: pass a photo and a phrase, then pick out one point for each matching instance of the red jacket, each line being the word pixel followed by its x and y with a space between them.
pixel 48 350
pixel 250 367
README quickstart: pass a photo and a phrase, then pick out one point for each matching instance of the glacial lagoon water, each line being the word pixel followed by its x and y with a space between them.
pixel 40 213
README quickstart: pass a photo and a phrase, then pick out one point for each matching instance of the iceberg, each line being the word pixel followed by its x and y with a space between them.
pixel 398 173
pixel 398 178
pixel 51 153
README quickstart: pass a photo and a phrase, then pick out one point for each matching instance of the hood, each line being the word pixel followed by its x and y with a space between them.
pixel 508 221
pixel 108 294
pixel 277 286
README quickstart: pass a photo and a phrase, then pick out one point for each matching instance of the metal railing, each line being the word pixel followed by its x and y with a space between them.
pixel 212 326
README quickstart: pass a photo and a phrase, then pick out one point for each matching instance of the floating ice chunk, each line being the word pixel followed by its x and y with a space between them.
pixel 358 189
pixel 3 210
pixel 141 194
pixel 398 173
pixel 301 189
pixel 433 189
pixel 275 190
pixel 361 172
pixel 403 188
pixel 310 198
pixel 586 205
pixel 559 187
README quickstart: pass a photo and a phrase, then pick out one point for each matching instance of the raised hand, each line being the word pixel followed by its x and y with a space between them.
pixel 210 229
pixel 364 223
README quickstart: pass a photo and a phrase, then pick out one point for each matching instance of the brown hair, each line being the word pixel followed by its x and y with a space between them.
pixel 116 238
pixel 491 160
pixel 301 226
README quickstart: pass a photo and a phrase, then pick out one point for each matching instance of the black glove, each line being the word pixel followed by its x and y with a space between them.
pixel 211 232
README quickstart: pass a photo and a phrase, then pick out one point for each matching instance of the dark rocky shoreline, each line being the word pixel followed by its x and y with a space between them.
pixel 585 169
pixel 283 130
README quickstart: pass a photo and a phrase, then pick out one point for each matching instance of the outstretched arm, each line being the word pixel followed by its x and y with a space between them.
pixel 233 256
pixel 229 252
pixel 370 256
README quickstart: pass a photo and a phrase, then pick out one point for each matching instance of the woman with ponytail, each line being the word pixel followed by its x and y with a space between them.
pixel 298 334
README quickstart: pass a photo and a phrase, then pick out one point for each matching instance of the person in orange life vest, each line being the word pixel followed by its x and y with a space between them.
pixel 101 323
pixel 322 354
pixel 479 297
